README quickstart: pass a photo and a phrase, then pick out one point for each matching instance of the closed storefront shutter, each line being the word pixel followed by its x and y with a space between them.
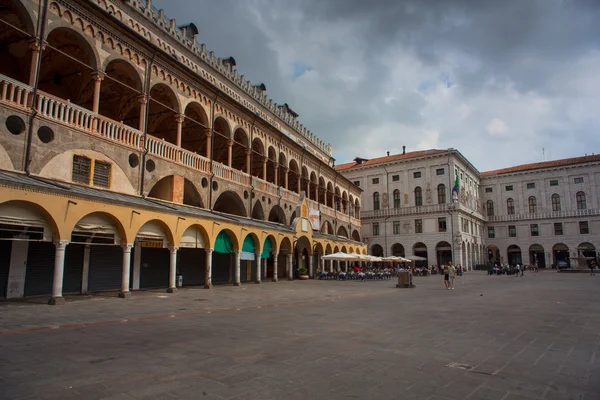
pixel 40 268
pixel 73 268
pixel 5 250
pixel 281 265
pixel 106 266
pixel 221 267
pixel 192 264
pixel 154 272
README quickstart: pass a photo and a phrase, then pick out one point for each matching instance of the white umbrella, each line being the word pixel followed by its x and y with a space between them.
pixel 339 257
pixel 416 258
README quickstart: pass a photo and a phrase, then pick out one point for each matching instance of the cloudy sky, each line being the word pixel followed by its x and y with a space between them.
pixel 498 80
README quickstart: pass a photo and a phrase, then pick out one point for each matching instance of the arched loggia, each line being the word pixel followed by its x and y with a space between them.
pixel 195 128
pixel 120 93
pixel 15 51
pixel 221 140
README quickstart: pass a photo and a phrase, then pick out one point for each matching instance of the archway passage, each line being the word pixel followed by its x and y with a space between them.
pixel 420 250
pixel 154 238
pixel 561 256
pixel 537 255
pixel 223 258
pixel 342 232
pixel 257 211
pixel 240 156
pixel 162 109
pixel 356 235
pixel 220 141
pixel 513 255
pixel 257 158
pixel 191 257
pixel 230 203
pixel 398 250
pixel 293 177
pixel 120 93
pixel 326 227
pixel 14 43
pixel 277 215
pixel 194 130
pixel 377 250
pixel 444 253
pixel 249 263
pixel 67 66
pixel 493 254
pixel 285 248
pixel 191 196
pixel 302 251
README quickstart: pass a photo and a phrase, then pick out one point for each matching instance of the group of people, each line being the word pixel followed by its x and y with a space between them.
pixel 357 273
pixel 515 270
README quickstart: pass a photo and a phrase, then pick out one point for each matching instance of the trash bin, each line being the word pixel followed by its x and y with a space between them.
pixel 405 279
pixel 179 281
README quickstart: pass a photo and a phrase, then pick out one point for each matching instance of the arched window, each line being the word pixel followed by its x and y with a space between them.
pixel 396 198
pixel 510 206
pixel 532 205
pixel 489 205
pixel 555 202
pixel 418 196
pixel 441 194
pixel 376 201
pixel 581 204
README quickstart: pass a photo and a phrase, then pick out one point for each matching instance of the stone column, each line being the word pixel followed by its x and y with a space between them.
pixel 172 270
pixel 299 184
pixel 85 275
pixel 35 47
pixel 208 270
pixel 310 265
pixel 264 171
pixel 59 269
pixel 248 166
pixel 290 272
pixel 208 134
pixel 143 100
pixel 276 173
pixel 258 268
pixel 238 259
pixel 345 266
pixel 265 267
pixel 308 189
pixel 125 293
pixel 97 77
pixel 286 172
pixel 230 152
pixel 275 255
pixel 179 118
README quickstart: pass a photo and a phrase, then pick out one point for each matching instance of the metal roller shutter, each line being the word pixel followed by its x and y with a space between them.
pixel 40 268
pixel 191 263
pixel 73 268
pixel 281 265
pixel 106 266
pixel 221 267
pixel 244 270
pixel 5 251
pixel 154 271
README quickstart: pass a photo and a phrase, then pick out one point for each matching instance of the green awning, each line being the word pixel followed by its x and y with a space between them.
pixel 248 245
pixel 223 243
pixel 267 249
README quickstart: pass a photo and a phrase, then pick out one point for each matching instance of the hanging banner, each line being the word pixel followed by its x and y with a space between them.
pixel 314 216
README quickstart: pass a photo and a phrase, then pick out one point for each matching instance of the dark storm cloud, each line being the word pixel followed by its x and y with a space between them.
pixel 371 76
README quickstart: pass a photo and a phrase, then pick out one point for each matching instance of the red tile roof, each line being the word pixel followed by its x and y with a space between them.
pixel 545 164
pixel 394 157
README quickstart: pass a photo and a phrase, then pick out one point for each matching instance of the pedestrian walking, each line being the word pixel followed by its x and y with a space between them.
pixel 452 274
pixel 522 270
pixel 446 278
pixel 592 268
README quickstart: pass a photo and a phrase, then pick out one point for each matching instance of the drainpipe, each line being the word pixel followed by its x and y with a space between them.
pixel 42 31
pixel 250 172
pixel 387 184
pixel 452 205
pixel 334 205
pixel 212 149
pixel 145 132
pixel 278 176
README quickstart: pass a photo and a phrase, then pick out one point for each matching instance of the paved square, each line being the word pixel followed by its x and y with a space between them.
pixel 494 337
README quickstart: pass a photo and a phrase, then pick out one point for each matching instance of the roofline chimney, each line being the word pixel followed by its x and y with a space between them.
pixel 388 153
pixel 403 149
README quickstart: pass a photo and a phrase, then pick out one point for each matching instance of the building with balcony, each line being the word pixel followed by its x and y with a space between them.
pixel 129 154
pixel 545 213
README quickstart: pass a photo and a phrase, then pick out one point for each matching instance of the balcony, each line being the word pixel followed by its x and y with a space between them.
pixel 405 211
pixel 545 215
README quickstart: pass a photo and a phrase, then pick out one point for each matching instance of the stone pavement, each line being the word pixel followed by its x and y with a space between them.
pixel 492 338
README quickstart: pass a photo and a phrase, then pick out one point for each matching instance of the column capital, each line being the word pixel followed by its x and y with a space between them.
pixel 61 244
pixel 179 118
pixel 34 44
pixel 275 256
pixel 248 151
pixel 142 99
pixel 173 249
pixel 229 142
pixel 207 132
pixel 98 76
pixel 127 247
pixel 209 250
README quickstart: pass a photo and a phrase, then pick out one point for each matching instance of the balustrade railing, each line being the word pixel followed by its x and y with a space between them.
pixel 14 92
pixel 233 175
pixel 544 215
pixel 400 211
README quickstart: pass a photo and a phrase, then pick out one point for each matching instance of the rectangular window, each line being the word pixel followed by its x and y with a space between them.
pixel 579 180
pixel 418 226
pixel 584 228
pixel 472 228
pixel 491 232
pixel 489 190
pixel 357 183
pixel 396 227
pixel 375 181
pixel 531 185
pixel 558 228
pixel 509 188
pixel 102 174
pixel 81 169
pixel 417 174
pixel 442 224
pixel 554 182
pixel 512 231
pixel 535 230
pixel 440 171
pixel 375 228
pixel 395 178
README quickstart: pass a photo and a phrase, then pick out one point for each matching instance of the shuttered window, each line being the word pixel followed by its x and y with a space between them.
pixel 102 174
pixel 81 169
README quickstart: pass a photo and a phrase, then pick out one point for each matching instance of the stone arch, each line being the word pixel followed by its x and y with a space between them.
pixel 285 245
pixel 258 154
pixel 273 243
pixel 272 164
pixel 239 150
pixel 345 202
pixel 326 227
pixel 29 214
pixel 277 215
pixel 377 250
pixel 229 202
pixel 100 222
pixel 342 231
pixel 314 186
pixel 293 219
pixel 120 91
pixel 14 47
pixel 163 107
pixel 235 241
pixel 293 176
pixel 194 128
pixel 258 212
pixel 330 194
pixel 194 227
pixel 68 77
pixel 356 235
pixel 398 250
pixel 514 255
pixel 444 253
pixel 322 191
pixel 282 168
pixel 191 194
pixel 164 189
pixel 164 228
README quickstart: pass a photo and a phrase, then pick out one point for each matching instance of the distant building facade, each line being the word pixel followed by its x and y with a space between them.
pixel 545 213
